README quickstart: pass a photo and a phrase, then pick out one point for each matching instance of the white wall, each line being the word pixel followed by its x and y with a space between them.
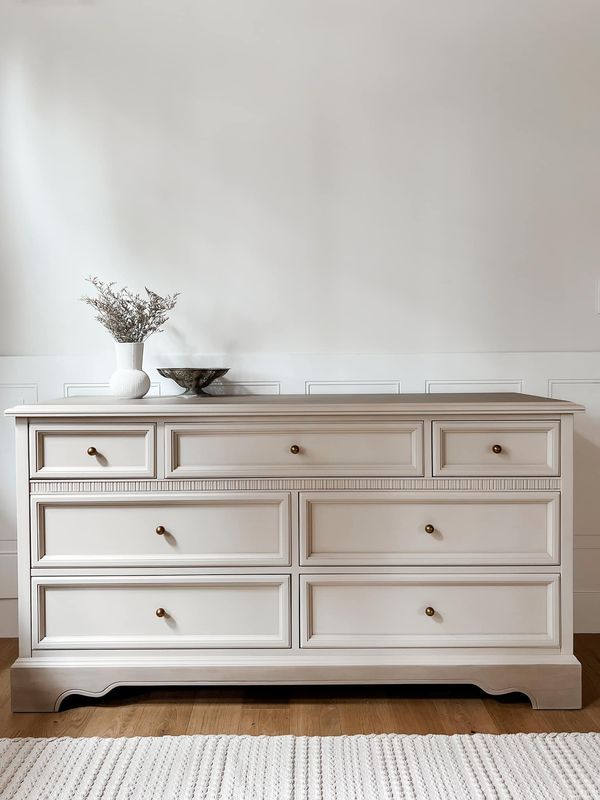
pixel 331 177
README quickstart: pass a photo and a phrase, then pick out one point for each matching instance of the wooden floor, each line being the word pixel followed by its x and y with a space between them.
pixel 322 710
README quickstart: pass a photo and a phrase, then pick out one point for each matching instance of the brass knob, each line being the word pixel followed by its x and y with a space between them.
pixel 294 449
pixel 429 611
pixel 429 529
pixel 160 530
pixel 160 612
pixel 91 451
pixel 497 448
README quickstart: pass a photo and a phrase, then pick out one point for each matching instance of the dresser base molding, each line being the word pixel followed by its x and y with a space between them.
pixel 42 684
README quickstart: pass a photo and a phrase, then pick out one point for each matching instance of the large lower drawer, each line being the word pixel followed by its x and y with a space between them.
pixel 219 529
pixel 395 528
pixel 172 611
pixel 426 610
pixel 496 448
pixel 294 449
pixel 89 450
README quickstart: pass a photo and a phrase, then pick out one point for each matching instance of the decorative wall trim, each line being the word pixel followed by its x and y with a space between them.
pixel 8 618
pixel 302 484
pixel 92 389
pixel 11 391
pixel 584 386
pixel 245 387
pixel 31 388
pixel 586 605
pixel 587 541
pixel 156 388
pixel 432 387
pixel 352 387
pixel 8 571
pixel 554 382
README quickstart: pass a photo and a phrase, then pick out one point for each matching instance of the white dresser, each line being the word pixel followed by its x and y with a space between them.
pixel 342 539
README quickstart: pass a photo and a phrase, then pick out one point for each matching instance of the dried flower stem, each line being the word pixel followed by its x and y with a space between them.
pixel 129 317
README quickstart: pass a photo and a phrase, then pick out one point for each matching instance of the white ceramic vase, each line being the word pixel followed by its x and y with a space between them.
pixel 129 380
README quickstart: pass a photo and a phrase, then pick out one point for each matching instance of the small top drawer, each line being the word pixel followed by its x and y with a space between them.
pixel 295 448
pixel 89 450
pixel 496 448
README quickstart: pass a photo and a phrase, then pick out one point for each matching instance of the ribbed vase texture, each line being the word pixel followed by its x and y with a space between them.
pixel 129 381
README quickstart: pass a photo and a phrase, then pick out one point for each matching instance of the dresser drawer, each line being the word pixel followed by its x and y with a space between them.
pixel 298 449
pixel 217 529
pixel 466 610
pixel 87 450
pixel 395 528
pixel 224 611
pixel 496 448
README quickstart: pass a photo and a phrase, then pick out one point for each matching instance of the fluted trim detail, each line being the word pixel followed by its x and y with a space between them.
pixel 301 484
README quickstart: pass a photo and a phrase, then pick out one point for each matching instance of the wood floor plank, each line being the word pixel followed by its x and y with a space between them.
pixel 165 713
pixel 215 714
pixel 274 722
pixel 457 716
pixel 302 710
pixel 378 716
pixel 69 724
pixel 109 721
pixel 314 717
pixel 412 715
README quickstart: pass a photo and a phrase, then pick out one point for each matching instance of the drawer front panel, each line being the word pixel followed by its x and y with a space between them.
pixel 92 451
pixel 496 448
pixel 207 530
pixel 358 448
pixel 224 611
pixel 468 610
pixel 395 528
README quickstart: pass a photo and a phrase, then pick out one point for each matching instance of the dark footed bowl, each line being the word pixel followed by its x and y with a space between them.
pixel 191 379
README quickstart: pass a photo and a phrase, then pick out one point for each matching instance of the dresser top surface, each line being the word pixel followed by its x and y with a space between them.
pixel 272 405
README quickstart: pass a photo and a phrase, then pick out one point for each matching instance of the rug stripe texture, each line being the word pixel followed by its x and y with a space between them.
pixel 377 767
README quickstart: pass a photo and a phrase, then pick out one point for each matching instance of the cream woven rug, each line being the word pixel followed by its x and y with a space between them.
pixel 558 765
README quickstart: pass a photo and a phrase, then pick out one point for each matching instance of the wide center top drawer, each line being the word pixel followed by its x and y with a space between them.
pixel 294 449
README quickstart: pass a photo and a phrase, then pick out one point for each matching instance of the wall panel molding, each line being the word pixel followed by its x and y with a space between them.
pixel 432 387
pixel 353 387
pixel 91 389
pixel 555 383
pixel 8 576
pixel 245 387
pixel 13 390
pixel 8 618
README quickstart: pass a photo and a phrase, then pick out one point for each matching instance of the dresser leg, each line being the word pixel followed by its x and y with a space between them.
pixel 548 686
pixel 43 688
pixel 564 692
pixel 27 695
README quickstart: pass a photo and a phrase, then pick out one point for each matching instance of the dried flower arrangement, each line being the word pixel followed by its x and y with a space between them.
pixel 129 317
